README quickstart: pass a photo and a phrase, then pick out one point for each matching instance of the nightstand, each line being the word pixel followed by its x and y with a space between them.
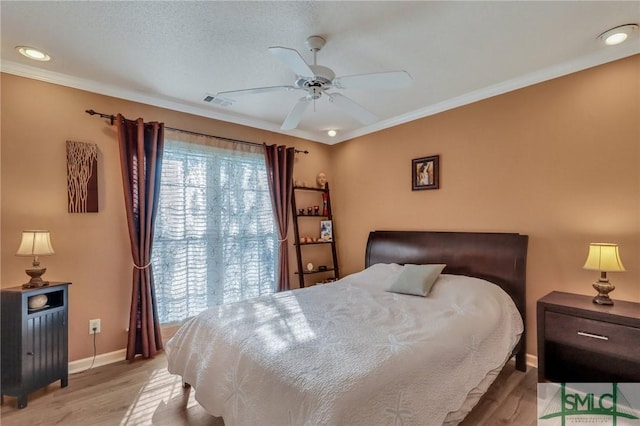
pixel 579 341
pixel 34 340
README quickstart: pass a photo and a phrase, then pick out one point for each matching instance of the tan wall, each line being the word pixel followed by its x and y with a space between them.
pixel 559 161
pixel 92 250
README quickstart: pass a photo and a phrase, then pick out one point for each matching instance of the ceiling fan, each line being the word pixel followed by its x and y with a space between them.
pixel 316 80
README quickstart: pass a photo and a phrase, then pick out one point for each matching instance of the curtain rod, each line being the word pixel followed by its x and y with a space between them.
pixel 112 118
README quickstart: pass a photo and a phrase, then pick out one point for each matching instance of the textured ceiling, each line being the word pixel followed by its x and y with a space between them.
pixel 171 54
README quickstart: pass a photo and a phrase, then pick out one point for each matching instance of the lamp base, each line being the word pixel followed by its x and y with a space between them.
pixel 36 278
pixel 602 300
pixel 603 288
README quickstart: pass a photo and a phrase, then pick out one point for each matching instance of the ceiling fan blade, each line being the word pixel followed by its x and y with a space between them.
pixel 381 80
pixel 295 115
pixel 232 93
pixel 292 59
pixel 352 108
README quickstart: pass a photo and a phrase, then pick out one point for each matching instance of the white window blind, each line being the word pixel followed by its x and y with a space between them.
pixel 215 237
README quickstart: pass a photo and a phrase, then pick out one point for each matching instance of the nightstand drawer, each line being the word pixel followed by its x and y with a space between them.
pixel 603 337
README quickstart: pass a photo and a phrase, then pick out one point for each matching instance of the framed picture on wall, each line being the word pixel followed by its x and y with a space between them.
pixel 425 173
pixel 326 230
pixel 82 177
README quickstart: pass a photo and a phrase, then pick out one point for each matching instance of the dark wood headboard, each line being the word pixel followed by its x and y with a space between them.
pixel 500 258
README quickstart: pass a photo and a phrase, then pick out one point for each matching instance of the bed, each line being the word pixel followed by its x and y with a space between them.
pixel 351 353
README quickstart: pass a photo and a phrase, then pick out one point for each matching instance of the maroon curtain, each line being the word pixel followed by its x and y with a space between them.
pixel 279 161
pixel 141 160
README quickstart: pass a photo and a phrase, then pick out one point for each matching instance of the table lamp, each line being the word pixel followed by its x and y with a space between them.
pixel 603 257
pixel 35 243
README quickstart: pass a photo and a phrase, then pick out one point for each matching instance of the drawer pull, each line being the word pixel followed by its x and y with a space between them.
pixel 593 336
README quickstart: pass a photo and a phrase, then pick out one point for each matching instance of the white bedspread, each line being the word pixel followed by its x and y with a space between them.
pixel 347 353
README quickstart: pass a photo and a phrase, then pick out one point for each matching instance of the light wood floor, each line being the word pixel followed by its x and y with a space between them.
pixel 144 393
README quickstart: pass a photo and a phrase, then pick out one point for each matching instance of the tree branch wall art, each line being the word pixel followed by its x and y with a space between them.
pixel 82 177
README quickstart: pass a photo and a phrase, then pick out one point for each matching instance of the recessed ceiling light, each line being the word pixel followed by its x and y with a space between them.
pixel 332 133
pixel 618 34
pixel 33 53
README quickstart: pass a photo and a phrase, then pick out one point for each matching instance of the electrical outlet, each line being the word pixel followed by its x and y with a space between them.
pixel 94 324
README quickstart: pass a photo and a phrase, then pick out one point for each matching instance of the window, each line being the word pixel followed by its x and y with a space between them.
pixel 215 237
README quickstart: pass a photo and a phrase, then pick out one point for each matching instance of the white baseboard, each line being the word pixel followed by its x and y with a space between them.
pixel 80 365
pixel 532 360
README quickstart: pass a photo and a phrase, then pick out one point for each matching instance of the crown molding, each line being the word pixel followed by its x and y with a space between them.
pixel 569 67
pixel 92 86
pixel 598 58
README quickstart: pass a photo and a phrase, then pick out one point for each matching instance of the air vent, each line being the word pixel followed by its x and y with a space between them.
pixel 218 100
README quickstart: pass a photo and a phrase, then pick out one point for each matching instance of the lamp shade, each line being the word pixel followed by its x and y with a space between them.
pixel 604 257
pixel 35 243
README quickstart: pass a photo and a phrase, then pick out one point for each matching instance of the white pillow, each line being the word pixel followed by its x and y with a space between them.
pixel 416 280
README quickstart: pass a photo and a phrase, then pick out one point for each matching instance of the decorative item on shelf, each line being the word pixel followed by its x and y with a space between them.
pixel 325 204
pixel 309 266
pixel 322 268
pixel 38 301
pixel 35 243
pixel 305 184
pixel 326 230
pixel 321 180
pixel 320 243
pixel 603 257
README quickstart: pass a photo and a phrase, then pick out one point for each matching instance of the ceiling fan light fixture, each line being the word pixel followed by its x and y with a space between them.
pixel 315 80
pixel 33 53
pixel 618 34
pixel 332 133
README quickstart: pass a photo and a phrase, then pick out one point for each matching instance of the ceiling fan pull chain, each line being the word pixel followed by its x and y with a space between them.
pixel 314 97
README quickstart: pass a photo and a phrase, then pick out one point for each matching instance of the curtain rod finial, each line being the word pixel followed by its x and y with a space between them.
pixel 112 118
